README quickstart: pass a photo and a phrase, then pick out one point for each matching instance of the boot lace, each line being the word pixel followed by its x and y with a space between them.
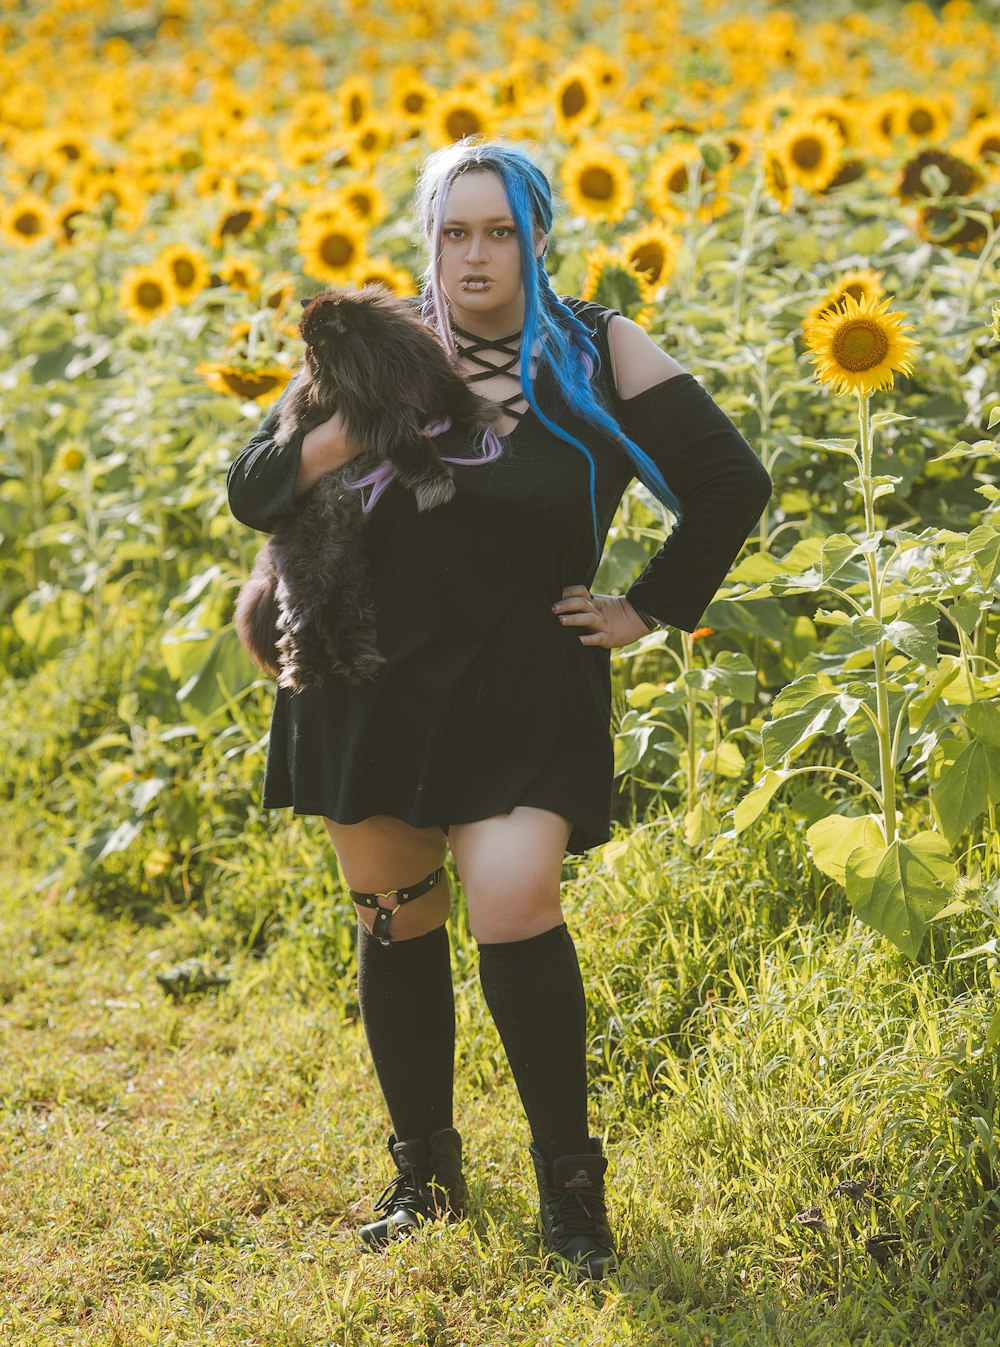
pixel 578 1213
pixel 406 1193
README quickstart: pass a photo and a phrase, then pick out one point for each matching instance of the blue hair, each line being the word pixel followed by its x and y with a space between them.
pixel 566 345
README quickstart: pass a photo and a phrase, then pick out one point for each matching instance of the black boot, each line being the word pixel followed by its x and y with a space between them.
pixel 429 1185
pixel 571 1208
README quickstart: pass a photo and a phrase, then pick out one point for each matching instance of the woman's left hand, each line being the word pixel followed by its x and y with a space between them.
pixel 612 621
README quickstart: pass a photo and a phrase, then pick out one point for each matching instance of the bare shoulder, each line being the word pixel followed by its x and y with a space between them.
pixel 636 360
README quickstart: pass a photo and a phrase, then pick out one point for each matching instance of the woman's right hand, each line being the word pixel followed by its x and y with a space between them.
pixel 324 449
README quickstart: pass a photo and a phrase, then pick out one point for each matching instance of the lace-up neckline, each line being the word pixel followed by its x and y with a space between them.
pixel 470 348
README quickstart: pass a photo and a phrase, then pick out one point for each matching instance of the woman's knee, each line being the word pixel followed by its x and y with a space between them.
pixel 510 867
pixel 382 854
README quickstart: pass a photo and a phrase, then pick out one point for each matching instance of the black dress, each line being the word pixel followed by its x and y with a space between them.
pixel 487 701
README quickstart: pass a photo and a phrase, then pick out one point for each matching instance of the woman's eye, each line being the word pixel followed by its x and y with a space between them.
pixel 503 229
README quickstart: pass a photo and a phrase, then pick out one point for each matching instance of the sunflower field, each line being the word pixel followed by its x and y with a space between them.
pixel 796 1039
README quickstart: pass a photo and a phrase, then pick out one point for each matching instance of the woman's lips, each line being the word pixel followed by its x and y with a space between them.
pixel 476 285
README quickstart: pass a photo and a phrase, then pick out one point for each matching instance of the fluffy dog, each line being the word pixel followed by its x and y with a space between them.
pixel 306 609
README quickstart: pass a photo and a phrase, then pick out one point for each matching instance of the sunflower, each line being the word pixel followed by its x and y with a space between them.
pixel 364 198
pixel 65 218
pixel 612 281
pixel 576 100
pixel 236 219
pixel 981 144
pixel 355 100
pixel 860 283
pixel 596 182
pixel 188 269
pixel 146 292
pixel 651 250
pixel 846 117
pixel 262 385
pixel 850 170
pixel 410 97
pixel 950 227
pixel 278 291
pixel 459 114
pixel 858 346
pixel 371 139
pixel 920 118
pixel 811 150
pixel 333 252
pixel 380 271
pixel 960 176
pixel 27 220
pixel 668 179
pixel 777 179
pixel 239 272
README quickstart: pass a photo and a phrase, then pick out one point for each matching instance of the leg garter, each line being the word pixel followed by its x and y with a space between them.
pixel 380 927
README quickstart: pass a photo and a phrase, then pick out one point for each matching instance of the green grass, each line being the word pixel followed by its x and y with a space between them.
pixel 179 1172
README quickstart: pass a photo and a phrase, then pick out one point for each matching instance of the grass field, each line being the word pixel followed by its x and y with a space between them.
pixel 800 1128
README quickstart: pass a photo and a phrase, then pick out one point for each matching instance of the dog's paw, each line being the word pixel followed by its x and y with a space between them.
pixel 436 492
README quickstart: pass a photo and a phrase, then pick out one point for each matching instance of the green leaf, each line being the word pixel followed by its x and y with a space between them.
pixel 889 418
pixel 963 789
pixel 993 1032
pixel 994 418
pixel 756 801
pixel 983 720
pixel 964 450
pixel 731 674
pixel 915 631
pixel 832 839
pixel 804 708
pixel 837 549
pixel 835 446
pixel 899 888
pixel 727 762
pixel 643 694
pixel 227 667
pixel 984 547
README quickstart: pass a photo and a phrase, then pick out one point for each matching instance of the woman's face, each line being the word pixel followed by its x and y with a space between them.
pixel 478 239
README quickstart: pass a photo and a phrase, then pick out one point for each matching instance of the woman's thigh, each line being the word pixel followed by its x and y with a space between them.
pixel 383 852
pixel 510 866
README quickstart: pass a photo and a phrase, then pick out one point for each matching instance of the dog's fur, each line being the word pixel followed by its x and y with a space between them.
pixel 307 609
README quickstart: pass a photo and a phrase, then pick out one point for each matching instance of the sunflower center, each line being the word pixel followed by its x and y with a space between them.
pixel 355 109
pixel 648 257
pixel 597 183
pixel 807 151
pixel 337 250
pixel 149 295
pixel 678 180
pixel 414 102
pixel 860 345
pixel 574 99
pixel 28 224
pixel 236 222
pixel 247 384
pixel 921 122
pixel 462 122
pixel 184 272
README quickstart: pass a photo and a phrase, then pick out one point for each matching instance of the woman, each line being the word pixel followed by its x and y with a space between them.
pixel 488 728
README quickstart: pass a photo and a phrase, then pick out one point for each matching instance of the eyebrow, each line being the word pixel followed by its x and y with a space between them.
pixel 496 220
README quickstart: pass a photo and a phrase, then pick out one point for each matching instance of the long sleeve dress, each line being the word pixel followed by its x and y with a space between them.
pixel 486 700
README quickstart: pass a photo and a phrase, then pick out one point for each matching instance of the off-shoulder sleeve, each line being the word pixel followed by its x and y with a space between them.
pixel 720 482
pixel 261 477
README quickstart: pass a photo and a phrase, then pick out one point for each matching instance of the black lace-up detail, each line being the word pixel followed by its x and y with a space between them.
pixel 577 1213
pixel 407 1193
pixel 471 347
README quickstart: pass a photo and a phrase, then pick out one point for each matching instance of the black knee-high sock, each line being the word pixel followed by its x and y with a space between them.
pixel 407 1004
pixel 535 994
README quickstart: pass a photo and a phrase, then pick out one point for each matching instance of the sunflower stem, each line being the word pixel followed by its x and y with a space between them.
pixel 886 756
pixel 743 256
